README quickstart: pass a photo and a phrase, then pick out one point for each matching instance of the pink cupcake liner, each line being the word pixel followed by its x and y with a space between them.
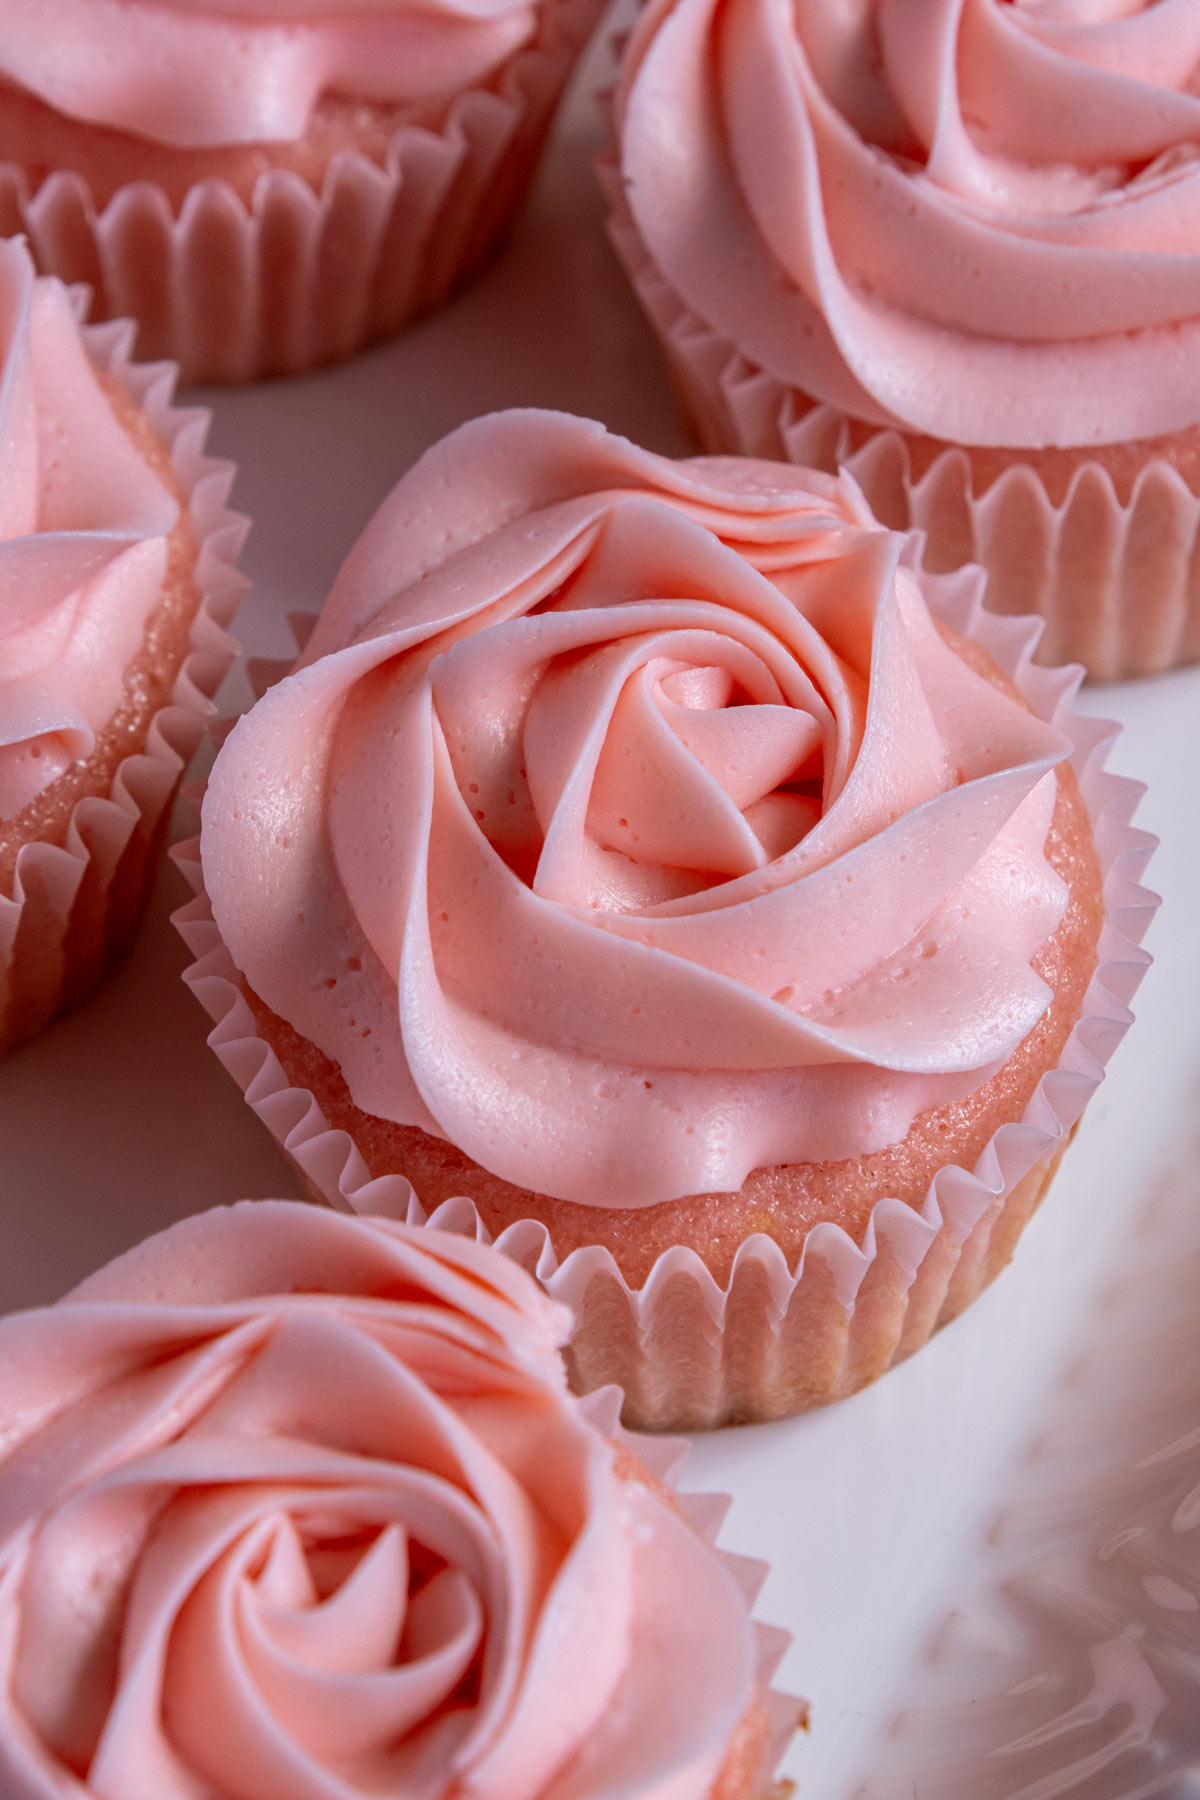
pixel 1117 582
pixel 75 906
pixel 300 278
pixel 691 1353
pixel 665 1458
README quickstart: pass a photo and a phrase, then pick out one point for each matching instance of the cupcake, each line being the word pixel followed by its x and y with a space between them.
pixel 269 186
pixel 634 870
pixel 116 584
pixel 957 249
pixel 297 1504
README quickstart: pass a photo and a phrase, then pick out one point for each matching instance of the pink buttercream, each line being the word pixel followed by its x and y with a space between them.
pixel 968 218
pixel 295 1506
pixel 224 73
pixel 629 824
pixel 83 538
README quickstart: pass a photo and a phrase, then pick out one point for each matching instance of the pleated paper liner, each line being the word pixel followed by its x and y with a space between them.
pixel 689 1352
pixel 301 278
pixel 1117 581
pixel 75 906
pixel 664 1457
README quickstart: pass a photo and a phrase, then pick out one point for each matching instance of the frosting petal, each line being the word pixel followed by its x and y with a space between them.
pixel 297 1504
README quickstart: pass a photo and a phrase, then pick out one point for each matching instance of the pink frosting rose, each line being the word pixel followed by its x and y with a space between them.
pixel 970 218
pixel 295 1506
pixel 629 824
pixel 84 524
pixel 246 71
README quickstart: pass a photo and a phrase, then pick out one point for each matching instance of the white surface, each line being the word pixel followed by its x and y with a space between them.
pixel 873 1514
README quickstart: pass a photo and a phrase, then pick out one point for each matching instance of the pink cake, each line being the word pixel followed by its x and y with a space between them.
pixel 956 247
pixel 635 866
pixel 268 186
pixel 298 1504
pixel 116 583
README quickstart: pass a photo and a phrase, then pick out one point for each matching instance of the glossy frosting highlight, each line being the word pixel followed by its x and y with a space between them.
pixel 629 823
pixel 221 74
pixel 84 525
pixel 296 1505
pixel 967 218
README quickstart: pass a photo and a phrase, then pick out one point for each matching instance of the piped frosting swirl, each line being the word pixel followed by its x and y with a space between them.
pixel 294 1504
pixel 630 824
pixel 968 218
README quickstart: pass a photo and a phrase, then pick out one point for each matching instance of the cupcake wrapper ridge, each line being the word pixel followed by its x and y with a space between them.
pixel 691 1353
pixel 75 906
pixel 665 1458
pixel 299 278
pixel 1117 582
